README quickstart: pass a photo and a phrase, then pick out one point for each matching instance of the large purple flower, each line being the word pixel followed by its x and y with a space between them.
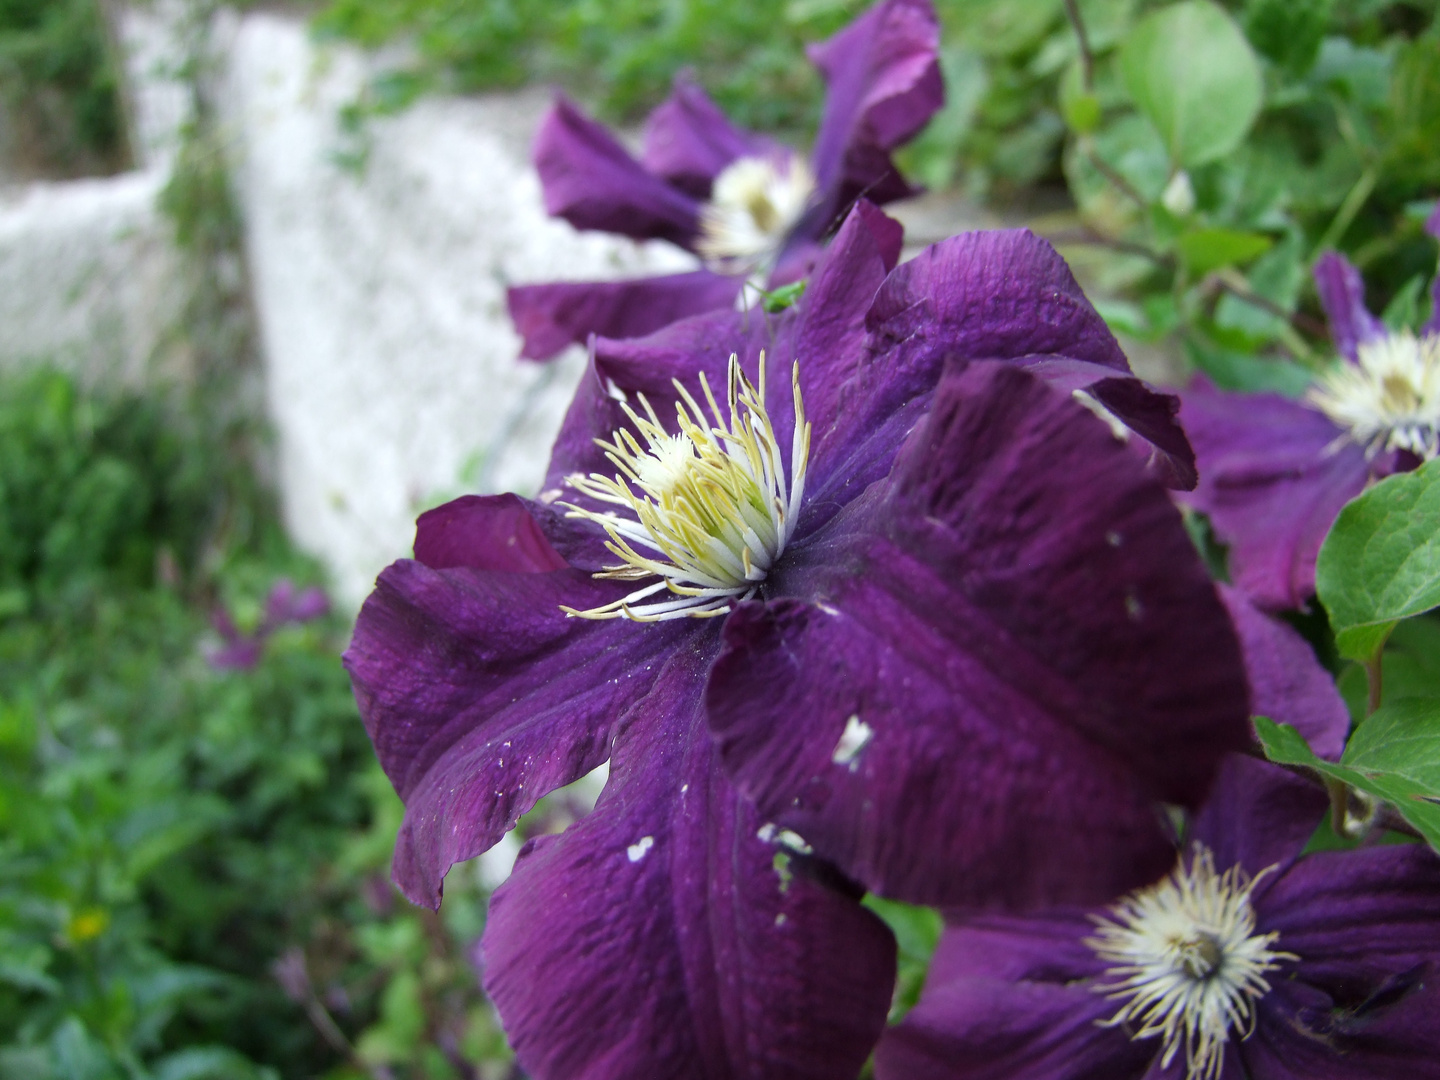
pixel 745 204
pixel 910 611
pixel 1274 472
pixel 1250 962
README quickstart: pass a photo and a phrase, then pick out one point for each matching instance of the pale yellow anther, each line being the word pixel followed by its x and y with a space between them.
pixel 754 203
pixel 711 503
pixel 1390 399
pixel 1190 965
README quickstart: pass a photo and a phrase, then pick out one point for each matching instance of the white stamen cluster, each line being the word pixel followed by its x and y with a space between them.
pixel 712 507
pixel 1390 400
pixel 754 203
pixel 1188 961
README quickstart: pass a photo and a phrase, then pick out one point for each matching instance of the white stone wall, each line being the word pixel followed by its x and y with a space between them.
pixel 391 368
pixel 88 277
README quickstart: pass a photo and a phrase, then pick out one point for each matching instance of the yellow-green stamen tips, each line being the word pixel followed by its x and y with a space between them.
pixel 712 503
pixel 754 203
pixel 1390 399
pixel 1189 961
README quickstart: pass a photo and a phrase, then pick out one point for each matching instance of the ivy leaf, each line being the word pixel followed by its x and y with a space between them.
pixel 1416 802
pixel 1191 72
pixel 1380 562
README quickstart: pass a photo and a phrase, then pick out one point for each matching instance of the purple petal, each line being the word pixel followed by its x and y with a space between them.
pixel 991 1029
pixel 1257 815
pixel 658 938
pixel 883 85
pixel 1355 918
pixel 993 295
pixel 481 696
pixel 485 532
pixel 242 654
pixel 552 316
pixel 1287 683
pixel 1301 1034
pixel 591 181
pixel 830 342
pixel 1342 295
pixel 1273 476
pixel 1024 630
pixel 622 370
pixel 1001 295
pixel 1041 947
pixel 1152 417
pixel 688 140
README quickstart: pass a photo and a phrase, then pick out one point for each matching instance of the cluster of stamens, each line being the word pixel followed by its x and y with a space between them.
pixel 1190 966
pixel 1390 399
pixel 754 203
pixel 711 505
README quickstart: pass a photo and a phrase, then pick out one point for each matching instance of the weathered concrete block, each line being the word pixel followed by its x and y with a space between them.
pixel 391 367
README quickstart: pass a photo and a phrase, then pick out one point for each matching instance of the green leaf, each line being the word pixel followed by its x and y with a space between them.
pixel 917 932
pixel 1415 802
pixel 1209 249
pixel 1289 32
pixel 1079 106
pixel 1191 72
pixel 1234 370
pixel 1381 561
pixel 1402 739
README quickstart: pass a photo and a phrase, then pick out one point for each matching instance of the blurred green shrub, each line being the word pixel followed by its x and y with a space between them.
pixel 58 84
pixel 192 862
pixel 620 54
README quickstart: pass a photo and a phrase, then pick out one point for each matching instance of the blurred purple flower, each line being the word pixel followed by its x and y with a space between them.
pixel 747 205
pixel 961 649
pixel 284 606
pixel 1251 960
pixel 1274 471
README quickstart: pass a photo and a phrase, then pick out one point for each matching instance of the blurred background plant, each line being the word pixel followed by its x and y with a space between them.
pixel 192 859
pixel 1192 158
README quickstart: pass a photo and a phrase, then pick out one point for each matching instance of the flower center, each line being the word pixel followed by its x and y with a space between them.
pixel 711 507
pixel 1189 964
pixel 754 203
pixel 1390 400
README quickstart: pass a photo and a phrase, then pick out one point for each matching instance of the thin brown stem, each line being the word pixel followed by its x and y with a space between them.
pixel 1238 288
pixel 1087 58
pixel 1104 168
pixel 1374 683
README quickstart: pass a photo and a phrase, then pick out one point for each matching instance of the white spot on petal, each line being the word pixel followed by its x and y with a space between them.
pixel 640 848
pixel 853 739
pixel 794 841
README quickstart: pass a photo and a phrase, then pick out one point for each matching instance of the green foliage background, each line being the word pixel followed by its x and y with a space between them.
pixel 61 113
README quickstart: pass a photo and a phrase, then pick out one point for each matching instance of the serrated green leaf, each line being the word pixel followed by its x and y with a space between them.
pixel 1191 72
pixel 1209 249
pixel 1286 746
pixel 1380 562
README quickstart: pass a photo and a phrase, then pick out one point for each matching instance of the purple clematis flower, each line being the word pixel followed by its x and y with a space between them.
pixel 910 619
pixel 1274 472
pixel 746 205
pixel 1249 961
pixel 1279 975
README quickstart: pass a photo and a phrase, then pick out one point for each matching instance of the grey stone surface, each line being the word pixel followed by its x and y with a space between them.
pixel 391 371
pixel 89 278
